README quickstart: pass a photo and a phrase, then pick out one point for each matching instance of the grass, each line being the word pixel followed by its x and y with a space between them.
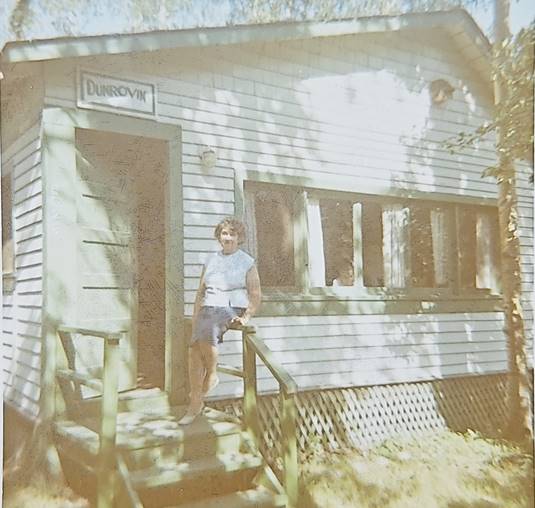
pixel 443 470
pixel 37 492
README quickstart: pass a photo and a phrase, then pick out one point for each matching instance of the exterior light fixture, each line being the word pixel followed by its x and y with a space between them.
pixel 208 157
pixel 441 91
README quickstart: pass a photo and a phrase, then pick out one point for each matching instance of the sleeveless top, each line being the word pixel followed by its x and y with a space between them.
pixel 224 278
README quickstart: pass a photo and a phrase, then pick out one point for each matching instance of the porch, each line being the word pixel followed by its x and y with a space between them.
pixel 127 449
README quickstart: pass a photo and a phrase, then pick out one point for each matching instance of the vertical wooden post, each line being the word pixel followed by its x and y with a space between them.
pixel 176 342
pixel 108 428
pixel 250 400
pixel 59 257
pixel 289 443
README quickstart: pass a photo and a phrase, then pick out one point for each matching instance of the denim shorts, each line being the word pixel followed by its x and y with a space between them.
pixel 212 323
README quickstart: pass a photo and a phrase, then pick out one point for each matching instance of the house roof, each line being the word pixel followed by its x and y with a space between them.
pixel 468 37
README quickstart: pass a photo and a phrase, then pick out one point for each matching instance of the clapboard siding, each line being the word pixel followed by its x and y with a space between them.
pixel 353 107
pixel 275 126
pixel 373 349
pixel 21 325
pixel 525 213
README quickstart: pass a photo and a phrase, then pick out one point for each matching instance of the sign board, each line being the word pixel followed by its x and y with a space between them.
pixel 107 93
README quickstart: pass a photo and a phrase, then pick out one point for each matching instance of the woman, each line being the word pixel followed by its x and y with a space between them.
pixel 229 293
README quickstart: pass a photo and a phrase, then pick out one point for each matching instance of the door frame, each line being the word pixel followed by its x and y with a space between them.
pixel 60 237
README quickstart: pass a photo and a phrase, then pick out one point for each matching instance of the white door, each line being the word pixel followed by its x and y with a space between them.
pixel 107 238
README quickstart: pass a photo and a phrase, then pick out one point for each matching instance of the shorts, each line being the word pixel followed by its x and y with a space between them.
pixel 212 323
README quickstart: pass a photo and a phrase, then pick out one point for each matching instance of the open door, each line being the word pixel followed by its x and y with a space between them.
pixel 121 248
pixel 113 244
pixel 107 291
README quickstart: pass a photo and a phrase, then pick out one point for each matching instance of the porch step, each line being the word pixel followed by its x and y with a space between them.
pixel 153 437
pixel 137 399
pixel 169 474
pixel 185 482
pixel 252 498
pixel 211 462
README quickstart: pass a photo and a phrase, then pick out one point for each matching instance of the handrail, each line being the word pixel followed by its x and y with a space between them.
pixel 117 335
pixel 72 375
pixel 253 346
pixel 109 406
pixel 266 355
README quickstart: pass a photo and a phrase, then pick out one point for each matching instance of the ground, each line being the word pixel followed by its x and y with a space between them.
pixel 442 470
pixel 42 494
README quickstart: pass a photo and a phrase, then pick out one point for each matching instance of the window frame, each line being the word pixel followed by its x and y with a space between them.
pixel 336 187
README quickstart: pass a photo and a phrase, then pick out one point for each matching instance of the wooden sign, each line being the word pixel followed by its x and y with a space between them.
pixel 106 93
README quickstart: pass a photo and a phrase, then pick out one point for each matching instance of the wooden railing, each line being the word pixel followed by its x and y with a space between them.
pixel 108 387
pixel 254 347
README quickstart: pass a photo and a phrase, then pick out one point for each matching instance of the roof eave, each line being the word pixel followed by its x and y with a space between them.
pixel 39 50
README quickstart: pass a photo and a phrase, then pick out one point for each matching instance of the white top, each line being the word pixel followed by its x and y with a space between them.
pixel 225 279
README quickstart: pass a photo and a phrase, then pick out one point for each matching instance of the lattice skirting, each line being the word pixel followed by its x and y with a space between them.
pixel 364 416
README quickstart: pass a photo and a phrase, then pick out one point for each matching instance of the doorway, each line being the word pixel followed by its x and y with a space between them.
pixel 122 246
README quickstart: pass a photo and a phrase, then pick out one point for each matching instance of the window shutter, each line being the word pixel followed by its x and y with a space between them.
pixel 396 245
pixel 439 237
pixel 316 256
pixel 358 265
pixel 487 271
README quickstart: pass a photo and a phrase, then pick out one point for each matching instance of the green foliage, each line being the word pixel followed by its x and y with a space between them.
pixel 513 67
pixel 268 11
pixel 56 18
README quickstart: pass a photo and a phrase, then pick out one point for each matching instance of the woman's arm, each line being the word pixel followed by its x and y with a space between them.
pixel 198 298
pixel 254 293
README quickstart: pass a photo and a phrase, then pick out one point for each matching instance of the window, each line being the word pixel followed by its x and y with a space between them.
pixel 342 239
pixel 8 260
pixel 272 211
pixel 479 248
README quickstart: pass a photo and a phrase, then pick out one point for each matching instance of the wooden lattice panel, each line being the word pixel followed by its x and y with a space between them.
pixel 363 416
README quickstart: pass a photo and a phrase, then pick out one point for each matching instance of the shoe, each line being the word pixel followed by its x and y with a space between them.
pixel 212 386
pixel 188 418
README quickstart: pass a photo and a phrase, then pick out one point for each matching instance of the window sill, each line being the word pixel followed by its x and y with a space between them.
pixel 326 301
pixel 377 294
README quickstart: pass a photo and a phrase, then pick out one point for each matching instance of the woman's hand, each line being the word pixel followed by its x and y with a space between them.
pixel 241 320
pixel 255 295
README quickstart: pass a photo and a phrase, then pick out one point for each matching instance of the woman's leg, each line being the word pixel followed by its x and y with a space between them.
pixel 209 356
pixel 196 378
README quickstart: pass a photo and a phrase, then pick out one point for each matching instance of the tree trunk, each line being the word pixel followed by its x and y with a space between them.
pixel 519 397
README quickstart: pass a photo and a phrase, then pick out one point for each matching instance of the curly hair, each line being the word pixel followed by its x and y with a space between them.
pixel 235 225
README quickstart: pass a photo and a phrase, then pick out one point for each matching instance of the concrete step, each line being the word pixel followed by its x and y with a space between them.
pixel 171 484
pixel 258 497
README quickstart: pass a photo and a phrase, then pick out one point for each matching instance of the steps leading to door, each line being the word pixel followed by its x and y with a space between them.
pixel 260 497
pixel 210 461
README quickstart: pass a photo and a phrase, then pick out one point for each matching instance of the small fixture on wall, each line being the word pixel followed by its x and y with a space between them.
pixel 208 156
pixel 441 91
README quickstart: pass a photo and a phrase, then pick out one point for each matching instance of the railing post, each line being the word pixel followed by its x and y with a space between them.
pixel 108 429
pixel 289 446
pixel 250 398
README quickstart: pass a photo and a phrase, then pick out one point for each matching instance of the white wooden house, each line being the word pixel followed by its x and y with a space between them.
pixel 120 153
